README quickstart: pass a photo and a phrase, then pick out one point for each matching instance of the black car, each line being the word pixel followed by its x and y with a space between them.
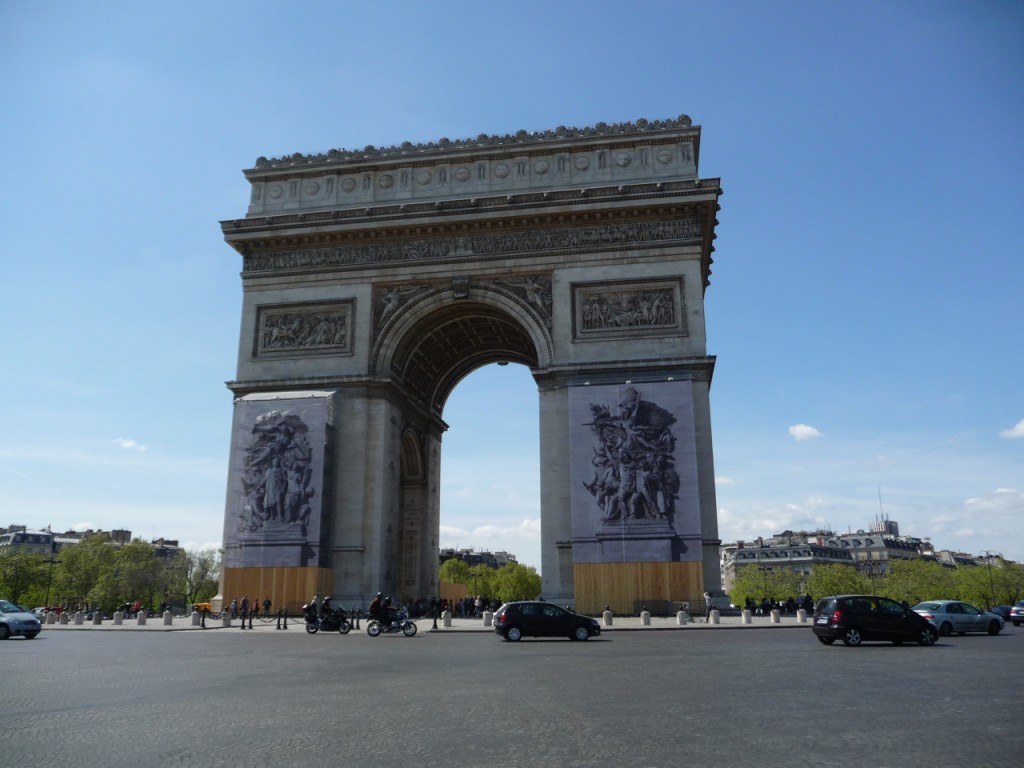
pixel 855 618
pixel 536 618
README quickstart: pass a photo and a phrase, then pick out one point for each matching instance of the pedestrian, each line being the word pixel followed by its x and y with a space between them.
pixel 266 607
pixel 709 605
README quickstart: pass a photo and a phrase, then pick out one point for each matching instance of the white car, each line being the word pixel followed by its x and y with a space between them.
pixel 955 616
pixel 16 620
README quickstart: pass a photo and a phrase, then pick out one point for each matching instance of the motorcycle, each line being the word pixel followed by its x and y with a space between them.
pixel 326 618
pixel 392 623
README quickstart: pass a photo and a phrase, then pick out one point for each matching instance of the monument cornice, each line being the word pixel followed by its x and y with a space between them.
pixel 695 191
pixel 513 144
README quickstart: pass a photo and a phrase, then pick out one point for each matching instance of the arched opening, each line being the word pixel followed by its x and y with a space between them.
pixel 490 473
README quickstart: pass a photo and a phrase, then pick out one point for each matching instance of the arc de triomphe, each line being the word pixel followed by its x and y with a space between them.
pixel 375 280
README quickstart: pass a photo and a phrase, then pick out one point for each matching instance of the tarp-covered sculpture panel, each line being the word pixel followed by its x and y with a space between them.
pixel 276 482
pixel 634 473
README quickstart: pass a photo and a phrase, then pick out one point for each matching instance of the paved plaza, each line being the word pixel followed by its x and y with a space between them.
pixel 664 695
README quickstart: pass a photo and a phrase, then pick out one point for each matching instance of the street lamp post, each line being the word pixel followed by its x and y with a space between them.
pixel 989 554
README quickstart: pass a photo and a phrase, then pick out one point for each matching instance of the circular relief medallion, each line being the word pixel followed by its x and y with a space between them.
pixel 387 181
pixel 623 159
pixel 312 188
pixel 275 190
pixel 664 156
pixel 348 184
pixel 461 174
pixel 501 170
pixel 541 167
pixel 423 178
pixel 582 162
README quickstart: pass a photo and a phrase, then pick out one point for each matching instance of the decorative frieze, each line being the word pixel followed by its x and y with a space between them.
pixel 634 234
pixel 321 328
pixel 634 308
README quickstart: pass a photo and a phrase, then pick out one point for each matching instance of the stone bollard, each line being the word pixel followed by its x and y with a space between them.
pixel 168 618
pixel 607 618
pixel 97 618
pixel 645 618
pixel 776 617
pixel 682 618
pixel 488 619
pixel 118 618
pixel 745 616
pixel 446 618
pixel 226 619
pixel 716 616
pixel 801 616
pixel 51 618
pixel 140 618
pixel 63 618
pixel 197 618
pixel 79 618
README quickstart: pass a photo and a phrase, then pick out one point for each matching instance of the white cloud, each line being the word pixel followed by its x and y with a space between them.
pixel 803 432
pixel 130 445
pixel 724 481
pixel 1014 432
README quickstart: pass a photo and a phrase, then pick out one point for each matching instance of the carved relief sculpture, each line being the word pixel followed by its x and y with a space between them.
pixel 314 329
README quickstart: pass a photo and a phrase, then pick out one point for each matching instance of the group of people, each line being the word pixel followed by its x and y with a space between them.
pixel 790 605
pixel 245 609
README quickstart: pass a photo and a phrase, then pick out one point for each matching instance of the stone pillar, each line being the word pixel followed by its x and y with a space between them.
pixel 140 618
pixel 97 618
pixel 446 619
pixel 745 616
pixel 606 618
pixel 197 619
pixel 79 618
pixel 51 618
pixel 801 616
pixel 63 618
pixel 488 619
pixel 168 618
pixel 645 618
pixel 682 618
pixel 776 617
pixel 226 619
pixel 118 618
pixel 716 617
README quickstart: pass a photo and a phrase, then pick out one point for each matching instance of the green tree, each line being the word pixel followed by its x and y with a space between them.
pixel 480 583
pixel 138 571
pixel 202 571
pixel 917 580
pixel 80 568
pixel 837 579
pixel 514 582
pixel 22 574
pixel 761 581
pixel 454 571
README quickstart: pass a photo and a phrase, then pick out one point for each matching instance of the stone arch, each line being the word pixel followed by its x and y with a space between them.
pixel 435 341
pixel 375 280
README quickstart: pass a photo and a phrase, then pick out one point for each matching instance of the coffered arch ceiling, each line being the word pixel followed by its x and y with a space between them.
pixel 451 342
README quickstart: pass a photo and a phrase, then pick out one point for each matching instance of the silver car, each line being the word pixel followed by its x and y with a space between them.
pixel 955 616
pixel 15 620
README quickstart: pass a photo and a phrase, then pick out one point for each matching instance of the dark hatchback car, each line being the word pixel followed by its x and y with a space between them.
pixel 536 618
pixel 856 618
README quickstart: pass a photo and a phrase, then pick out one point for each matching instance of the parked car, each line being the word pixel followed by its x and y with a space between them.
pixel 536 618
pixel 1002 611
pixel 954 616
pixel 856 618
pixel 17 620
pixel 1017 613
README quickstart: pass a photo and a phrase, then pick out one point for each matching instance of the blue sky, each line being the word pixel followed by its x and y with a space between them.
pixel 865 305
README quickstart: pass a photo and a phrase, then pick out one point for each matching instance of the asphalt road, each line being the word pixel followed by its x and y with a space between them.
pixel 734 698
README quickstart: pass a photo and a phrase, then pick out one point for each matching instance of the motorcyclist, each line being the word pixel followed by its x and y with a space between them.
pixel 376 606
